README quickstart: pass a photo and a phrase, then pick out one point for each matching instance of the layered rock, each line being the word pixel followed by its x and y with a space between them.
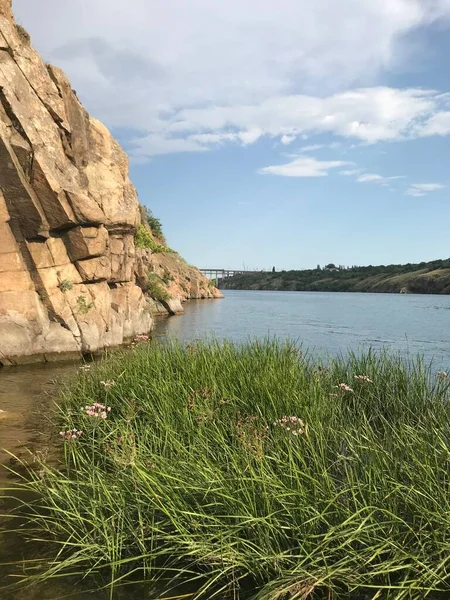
pixel 70 278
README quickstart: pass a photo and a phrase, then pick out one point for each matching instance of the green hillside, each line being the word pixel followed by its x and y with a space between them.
pixel 423 278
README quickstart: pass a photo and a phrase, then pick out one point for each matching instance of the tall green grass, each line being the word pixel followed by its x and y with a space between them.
pixel 191 477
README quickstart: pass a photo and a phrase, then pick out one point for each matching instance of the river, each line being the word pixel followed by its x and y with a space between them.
pixel 323 323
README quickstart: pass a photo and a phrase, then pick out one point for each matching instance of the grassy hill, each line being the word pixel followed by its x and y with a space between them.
pixel 423 278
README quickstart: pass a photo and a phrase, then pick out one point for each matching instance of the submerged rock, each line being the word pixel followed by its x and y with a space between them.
pixel 70 278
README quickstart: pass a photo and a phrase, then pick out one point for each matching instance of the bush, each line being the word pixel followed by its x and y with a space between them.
pixel 167 277
pixel 83 306
pixel 253 472
pixel 155 225
pixel 156 289
pixel 144 239
pixel 65 286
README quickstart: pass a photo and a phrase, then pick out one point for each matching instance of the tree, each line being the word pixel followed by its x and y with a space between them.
pixel 331 266
pixel 273 269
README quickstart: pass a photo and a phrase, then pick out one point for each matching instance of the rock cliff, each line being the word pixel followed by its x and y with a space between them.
pixel 71 278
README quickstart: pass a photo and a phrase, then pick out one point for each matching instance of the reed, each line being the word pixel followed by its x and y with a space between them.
pixel 250 472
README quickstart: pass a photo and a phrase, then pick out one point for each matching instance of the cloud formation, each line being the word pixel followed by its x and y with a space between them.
pixel 303 166
pixel 421 189
pixel 366 115
pixel 191 76
pixel 350 172
pixel 375 178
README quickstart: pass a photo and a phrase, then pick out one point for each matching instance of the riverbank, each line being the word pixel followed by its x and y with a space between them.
pixel 424 278
pixel 251 471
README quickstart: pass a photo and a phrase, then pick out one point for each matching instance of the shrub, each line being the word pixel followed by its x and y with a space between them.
pixel 83 306
pixel 144 239
pixel 167 277
pixel 155 225
pixel 65 285
pixel 254 472
pixel 156 289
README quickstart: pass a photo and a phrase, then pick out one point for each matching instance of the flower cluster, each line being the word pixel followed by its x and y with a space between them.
pixel 97 410
pixel 142 337
pixel 443 375
pixel 139 339
pixel 363 379
pixel 108 384
pixel 71 434
pixel 85 368
pixel 343 387
pixel 294 425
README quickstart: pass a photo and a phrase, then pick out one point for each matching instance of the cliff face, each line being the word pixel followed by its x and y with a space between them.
pixel 68 216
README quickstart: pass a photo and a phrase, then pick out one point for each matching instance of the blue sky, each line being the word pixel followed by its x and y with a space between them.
pixel 262 133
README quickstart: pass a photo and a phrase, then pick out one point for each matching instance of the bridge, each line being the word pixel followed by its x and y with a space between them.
pixel 219 274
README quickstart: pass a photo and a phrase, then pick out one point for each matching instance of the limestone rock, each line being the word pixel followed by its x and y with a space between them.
pixel 95 269
pixel 6 10
pixel 62 179
pixel 181 281
pixel 86 242
pixel 70 278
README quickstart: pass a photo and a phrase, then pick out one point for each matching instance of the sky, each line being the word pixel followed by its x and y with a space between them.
pixel 262 133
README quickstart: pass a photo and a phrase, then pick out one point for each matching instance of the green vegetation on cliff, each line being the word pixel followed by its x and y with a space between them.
pixel 423 278
pixel 252 472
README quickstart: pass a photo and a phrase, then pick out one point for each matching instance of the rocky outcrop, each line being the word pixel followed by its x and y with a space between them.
pixel 70 276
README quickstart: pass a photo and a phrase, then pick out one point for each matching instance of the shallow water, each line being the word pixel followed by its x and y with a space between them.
pixel 326 323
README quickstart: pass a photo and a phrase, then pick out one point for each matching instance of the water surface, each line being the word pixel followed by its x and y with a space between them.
pixel 326 323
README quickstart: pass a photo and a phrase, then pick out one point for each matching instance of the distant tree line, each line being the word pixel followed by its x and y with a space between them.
pixel 424 277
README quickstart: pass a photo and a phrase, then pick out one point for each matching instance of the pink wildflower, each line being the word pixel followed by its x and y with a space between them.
pixel 343 387
pixel 108 384
pixel 139 339
pixel 97 410
pixel 363 379
pixel 294 425
pixel 71 434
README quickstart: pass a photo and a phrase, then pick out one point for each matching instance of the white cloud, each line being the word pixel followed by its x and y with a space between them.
pixel 369 178
pixel 287 139
pixel 350 172
pixel 421 189
pixel 303 166
pixel 368 115
pixel 250 136
pixel 375 178
pixel 438 124
pixel 154 144
pixel 312 148
pixel 238 70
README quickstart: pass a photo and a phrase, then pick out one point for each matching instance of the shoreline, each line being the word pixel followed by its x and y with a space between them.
pixel 77 356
